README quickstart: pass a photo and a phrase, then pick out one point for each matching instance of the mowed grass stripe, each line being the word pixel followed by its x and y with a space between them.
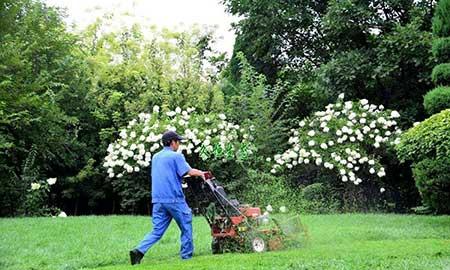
pixel 347 241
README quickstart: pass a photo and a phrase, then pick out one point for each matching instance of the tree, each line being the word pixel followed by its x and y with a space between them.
pixel 43 82
pixel 439 98
pixel 383 57
pixel 133 71
pixel 311 51
pixel 426 145
pixel 278 34
pixel 366 49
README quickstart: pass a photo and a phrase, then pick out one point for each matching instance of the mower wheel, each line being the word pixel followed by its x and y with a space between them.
pixel 257 244
pixel 216 246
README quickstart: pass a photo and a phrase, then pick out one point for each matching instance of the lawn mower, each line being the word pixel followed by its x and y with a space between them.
pixel 234 227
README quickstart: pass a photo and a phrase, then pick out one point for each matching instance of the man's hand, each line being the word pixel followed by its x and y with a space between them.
pixel 195 172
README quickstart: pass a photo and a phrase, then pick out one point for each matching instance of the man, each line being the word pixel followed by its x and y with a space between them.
pixel 168 168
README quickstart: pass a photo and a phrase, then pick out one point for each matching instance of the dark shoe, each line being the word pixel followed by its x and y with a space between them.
pixel 135 256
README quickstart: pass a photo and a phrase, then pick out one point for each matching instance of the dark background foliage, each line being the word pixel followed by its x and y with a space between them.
pixel 65 96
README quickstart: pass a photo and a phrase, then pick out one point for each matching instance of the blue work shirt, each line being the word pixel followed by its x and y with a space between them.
pixel 168 168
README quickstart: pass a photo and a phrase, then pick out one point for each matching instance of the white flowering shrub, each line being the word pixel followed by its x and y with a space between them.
pixel 209 136
pixel 344 138
pixel 37 200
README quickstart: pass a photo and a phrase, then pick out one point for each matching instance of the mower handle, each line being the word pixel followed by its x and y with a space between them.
pixel 209 175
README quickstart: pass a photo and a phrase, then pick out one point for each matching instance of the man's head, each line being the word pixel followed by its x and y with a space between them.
pixel 171 139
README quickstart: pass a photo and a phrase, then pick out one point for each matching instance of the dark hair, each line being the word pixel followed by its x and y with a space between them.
pixel 170 136
pixel 169 142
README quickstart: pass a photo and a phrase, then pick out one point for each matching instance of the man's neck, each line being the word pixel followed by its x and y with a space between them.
pixel 168 148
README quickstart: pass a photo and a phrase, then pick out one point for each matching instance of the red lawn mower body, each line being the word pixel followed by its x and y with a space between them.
pixel 234 226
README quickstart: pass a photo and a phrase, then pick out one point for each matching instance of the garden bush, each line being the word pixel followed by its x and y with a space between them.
pixel 264 188
pixel 346 139
pixel 441 19
pixel 433 181
pixel 427 146
pixel 441 49
pixel 318 198
pixel 437 100
pixel 441 74
pixel 315 192
pixel 429 139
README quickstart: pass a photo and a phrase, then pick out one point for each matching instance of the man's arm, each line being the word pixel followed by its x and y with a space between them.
pixel 184 168
pixel 195 172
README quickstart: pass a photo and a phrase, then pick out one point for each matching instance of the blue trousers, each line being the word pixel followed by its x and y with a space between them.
pixel 162 216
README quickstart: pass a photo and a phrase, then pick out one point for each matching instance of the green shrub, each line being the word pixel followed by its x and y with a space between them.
pixel 441 49
pixel 318 198
pixel 315 192
pixel 264 188
pixel 433 181
pixel 437 100
pixel 427 145
pixel 441 74
pixel 429 139
pixel 441 19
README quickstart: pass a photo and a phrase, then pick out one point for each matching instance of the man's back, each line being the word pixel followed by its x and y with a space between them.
pixel 168 168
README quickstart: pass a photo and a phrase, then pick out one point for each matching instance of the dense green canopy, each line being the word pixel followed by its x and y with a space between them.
pixel 64 97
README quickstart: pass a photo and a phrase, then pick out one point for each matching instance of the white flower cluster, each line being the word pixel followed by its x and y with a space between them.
pixel 137 143
pixel 340 137
pixel 51 181
pixel 37 185
pixel 269 209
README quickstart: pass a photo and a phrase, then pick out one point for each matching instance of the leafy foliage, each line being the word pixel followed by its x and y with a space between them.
pixel 312 51
pixel 441 49
pixel 437 100
pixel 209 137
pixel 441 74
pixel 67 96
pixel 391 69
pixel 264 188
pixel 42 90
pixel 319 198
pixel 441 19
pixel 433 181
pixel 427 146
pixel 429 139
pixel 64 96
pixel 341 139
pixel 429 166
pixel 276 34
pixel 133 74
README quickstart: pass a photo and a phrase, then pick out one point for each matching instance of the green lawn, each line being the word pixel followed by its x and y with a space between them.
pixel 350 241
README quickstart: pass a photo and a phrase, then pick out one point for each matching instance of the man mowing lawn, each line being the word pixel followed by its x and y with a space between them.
pixel 168 168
